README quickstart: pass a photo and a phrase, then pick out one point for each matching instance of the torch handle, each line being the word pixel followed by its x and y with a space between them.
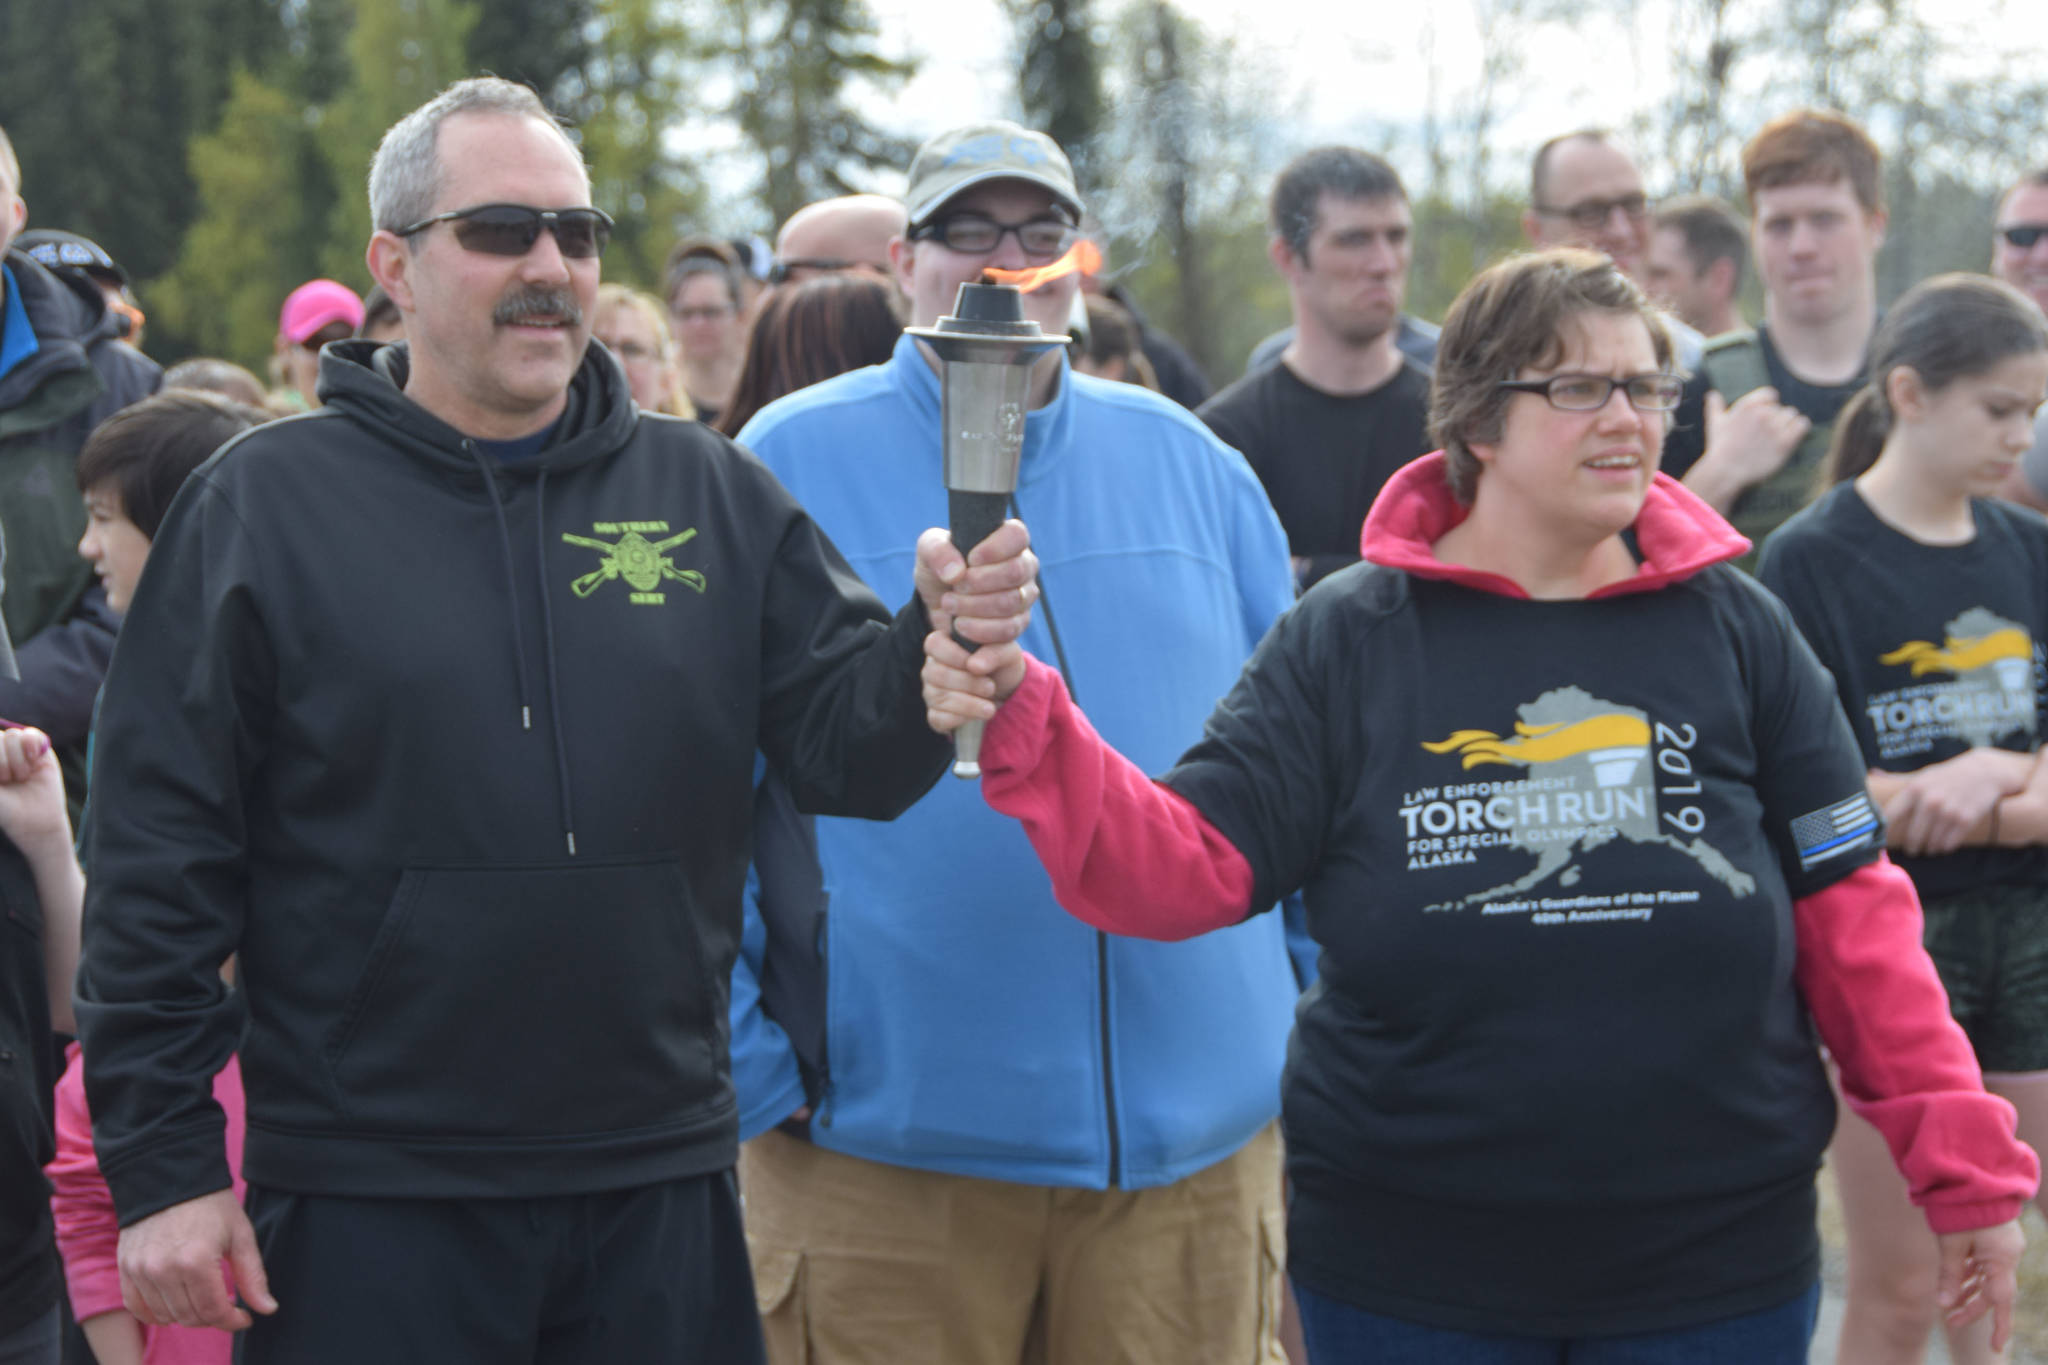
pixel 973 518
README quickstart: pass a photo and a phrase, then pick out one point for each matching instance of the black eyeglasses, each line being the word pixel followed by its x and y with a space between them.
pixel 512 229
pixel 1590 392
pixel 1590 215
pixel 970 234
pixel 2024 235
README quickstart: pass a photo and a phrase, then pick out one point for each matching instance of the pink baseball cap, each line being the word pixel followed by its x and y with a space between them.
pixel 314 305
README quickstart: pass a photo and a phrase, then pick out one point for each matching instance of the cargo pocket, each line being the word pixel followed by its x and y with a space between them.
pixel 779 1293
pixel 539 1000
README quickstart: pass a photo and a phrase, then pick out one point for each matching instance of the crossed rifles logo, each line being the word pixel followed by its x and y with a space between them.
pixel 633 557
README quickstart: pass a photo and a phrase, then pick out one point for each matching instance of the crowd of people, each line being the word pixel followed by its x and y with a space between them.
pixel 500 900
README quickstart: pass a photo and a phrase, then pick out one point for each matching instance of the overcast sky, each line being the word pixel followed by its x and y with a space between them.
pixel 1361 70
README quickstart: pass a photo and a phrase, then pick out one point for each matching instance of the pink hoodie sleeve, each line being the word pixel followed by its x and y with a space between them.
pixel 1906 1065
pixel 84 1211
pixel 1125 854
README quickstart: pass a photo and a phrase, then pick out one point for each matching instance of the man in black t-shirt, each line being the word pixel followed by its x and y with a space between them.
pixel 1344 408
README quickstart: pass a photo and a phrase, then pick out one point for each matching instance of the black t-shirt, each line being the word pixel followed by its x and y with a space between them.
pixel 1935 649
pixel 1555 1077
pixel 1323 457
pixel 1818 403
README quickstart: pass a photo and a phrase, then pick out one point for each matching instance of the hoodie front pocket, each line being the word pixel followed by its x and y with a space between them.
pixel 541 1000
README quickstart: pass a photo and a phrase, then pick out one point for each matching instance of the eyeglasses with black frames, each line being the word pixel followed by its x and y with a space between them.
pixel 971 234
pixel 1590 392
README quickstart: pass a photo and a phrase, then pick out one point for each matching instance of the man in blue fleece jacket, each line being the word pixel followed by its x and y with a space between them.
pixel 987 1133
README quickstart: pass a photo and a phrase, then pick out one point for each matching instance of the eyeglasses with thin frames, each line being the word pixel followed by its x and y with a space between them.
pixel 1591 392
pixel 512 229
pixel 1590 215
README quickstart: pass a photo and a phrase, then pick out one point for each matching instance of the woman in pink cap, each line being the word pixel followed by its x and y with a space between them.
pixel 317 312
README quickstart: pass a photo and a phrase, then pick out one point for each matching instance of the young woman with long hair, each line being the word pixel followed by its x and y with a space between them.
pixel 1927 598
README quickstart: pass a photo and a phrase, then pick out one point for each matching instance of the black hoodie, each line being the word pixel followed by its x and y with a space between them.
pixel 459 756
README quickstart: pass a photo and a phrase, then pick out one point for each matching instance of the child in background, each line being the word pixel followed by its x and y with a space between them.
pixel 1927 599
pixel 129 471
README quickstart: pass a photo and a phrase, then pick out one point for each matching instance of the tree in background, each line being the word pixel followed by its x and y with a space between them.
pixel 638 80
pixel 1203 127
pixel 797 67
pixel 257 240
pixel 1059 75
pixel 102 99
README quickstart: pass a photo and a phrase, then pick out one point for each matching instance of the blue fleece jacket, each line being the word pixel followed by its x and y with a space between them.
pixel 970 1025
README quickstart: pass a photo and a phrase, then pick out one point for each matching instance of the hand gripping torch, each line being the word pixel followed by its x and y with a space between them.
pixel 986 349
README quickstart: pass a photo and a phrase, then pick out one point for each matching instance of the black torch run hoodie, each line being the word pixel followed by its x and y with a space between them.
pixel 458 755
pixel 1579 870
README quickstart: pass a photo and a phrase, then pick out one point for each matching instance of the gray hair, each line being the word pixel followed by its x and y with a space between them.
pixel 405 175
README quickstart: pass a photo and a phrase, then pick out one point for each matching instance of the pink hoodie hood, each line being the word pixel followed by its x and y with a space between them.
pixel 1677 533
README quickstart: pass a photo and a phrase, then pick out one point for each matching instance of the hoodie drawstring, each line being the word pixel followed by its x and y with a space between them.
pixel 511 580
pixel 547 617
pixel 547 626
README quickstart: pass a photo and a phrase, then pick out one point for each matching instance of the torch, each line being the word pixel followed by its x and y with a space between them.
pixel 986 349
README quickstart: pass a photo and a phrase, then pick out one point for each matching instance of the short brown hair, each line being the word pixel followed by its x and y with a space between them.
pixel 1814 146
pixel 1712 230
pixel 1513 317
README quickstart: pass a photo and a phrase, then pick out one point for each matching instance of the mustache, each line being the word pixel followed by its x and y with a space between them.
pixel 539 303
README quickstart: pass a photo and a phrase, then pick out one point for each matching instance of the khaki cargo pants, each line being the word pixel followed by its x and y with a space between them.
pixel 859 1263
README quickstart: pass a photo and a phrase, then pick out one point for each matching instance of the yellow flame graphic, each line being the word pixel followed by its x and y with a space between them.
pixel 1961 655
pixel 1545 743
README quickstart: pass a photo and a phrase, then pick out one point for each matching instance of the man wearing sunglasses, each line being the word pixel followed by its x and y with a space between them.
pixel 440 705
pixel 979 1132
pixel 2019 256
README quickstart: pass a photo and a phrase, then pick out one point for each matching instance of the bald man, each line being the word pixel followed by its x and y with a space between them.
pixel 851 232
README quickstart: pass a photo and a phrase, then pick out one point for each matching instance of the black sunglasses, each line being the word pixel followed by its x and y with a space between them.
pixel 2024 235
pixel 512 229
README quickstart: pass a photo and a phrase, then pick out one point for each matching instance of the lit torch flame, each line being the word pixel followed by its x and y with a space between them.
pixel 1084 256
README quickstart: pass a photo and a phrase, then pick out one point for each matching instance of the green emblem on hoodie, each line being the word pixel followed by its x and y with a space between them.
pixel 642 563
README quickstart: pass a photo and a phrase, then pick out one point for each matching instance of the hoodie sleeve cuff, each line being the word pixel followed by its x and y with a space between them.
pixel 1906 1067
pixel 1125 854
pixel 178 1167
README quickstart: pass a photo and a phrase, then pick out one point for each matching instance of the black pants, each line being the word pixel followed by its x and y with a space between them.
pixel 649 1275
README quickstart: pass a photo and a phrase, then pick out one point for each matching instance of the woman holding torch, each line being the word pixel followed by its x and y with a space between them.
pixel 1583 837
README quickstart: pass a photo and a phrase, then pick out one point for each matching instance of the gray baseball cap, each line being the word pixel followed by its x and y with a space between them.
pixel 979 153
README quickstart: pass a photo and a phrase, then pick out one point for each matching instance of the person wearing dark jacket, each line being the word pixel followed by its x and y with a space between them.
pixel 440 705
pixel 1585 843
pixel 63 370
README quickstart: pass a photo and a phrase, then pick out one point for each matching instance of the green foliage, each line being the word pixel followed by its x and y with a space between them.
pixel 253 244
pixel 101 99
pixel 546 44
pixel 1453 243
pixel 400 53
pixel 797 65
pixel 639 79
